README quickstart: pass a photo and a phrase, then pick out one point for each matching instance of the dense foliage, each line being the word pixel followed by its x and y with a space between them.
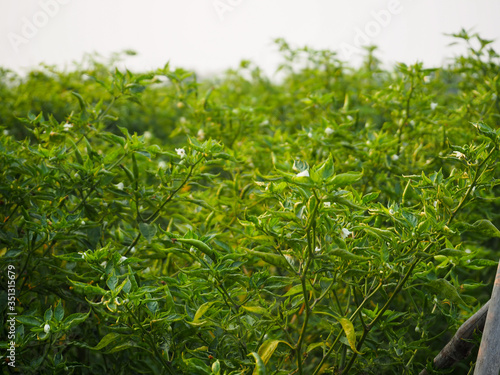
pixel 336 220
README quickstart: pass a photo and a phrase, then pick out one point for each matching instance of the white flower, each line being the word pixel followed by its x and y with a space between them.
pixel 493 97
pixel 345 233
pixel 182 120
pixel 200 134
pixel 264 123
pixel 457 154
pixel 5 132
pixel 83 254
pixel 310 135
pixel 162 165
pixel 435 204
pixel 82 222
pixel 147 135
pixel 427 79
pixel 181 152
pixel 394 157
pixel 317 249
pixel 120 186
pixel 67 126
pixel 327 204
pixel 433 106
pixel 122 259
pixel 46 328
pixel 412 122
pixel 391 211
pixel 350 118
pixel 104 264
pixel 132 250
pixel 329 131
pixel 468 251
pixel 288 235
pixel 303 173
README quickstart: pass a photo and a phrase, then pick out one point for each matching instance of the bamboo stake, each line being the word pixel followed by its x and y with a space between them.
pixel 459 347
pixel 488 357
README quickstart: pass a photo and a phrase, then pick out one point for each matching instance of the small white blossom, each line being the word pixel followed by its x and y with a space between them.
pixel 350 118
pixel 288 235
pixel 327 204
pixel 120 186
pixel 5 132
pixel 412 122
pixel 457 154
pixel 303 173
pixel 67 126
pixel 83 254
pixel 201 134
pixel 162 165
pixel 468 251
pixel 433 106
pixel 82 222
pixel 132 250
pixel 264 123
pixel 310 135
pixel 181 152
pixel 427 79
pixel 391 211
pixel 182 120
pixel 104 264
pixel 494 96
pixel 122 259
pixel 435 204
pixel 394 157
pixel 317 249
pixel 147 135
pixel 345 233
pixel 329 131
pixel 46 328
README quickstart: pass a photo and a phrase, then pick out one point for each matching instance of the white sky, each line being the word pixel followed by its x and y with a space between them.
pixel 194 35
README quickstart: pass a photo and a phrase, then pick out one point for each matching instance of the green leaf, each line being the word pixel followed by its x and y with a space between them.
pixel 274 259
pixel 348 328
pixel 48 314
pixel 444 289
pixel 106 340
pixel 112 281
pixel 75 319
pixel 260 367
pixel 344 179
pixel 59 312
pixel 347 255
pixel 29 320
pixel 148 231
pixel 485 228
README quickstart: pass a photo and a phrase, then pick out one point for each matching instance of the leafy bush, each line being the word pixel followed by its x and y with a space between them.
pixel 339 220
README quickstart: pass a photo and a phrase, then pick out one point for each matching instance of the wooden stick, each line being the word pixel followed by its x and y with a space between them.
pixel 488 357
pixel 459 347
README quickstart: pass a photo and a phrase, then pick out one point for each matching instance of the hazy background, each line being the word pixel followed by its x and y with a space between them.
pixel 212 35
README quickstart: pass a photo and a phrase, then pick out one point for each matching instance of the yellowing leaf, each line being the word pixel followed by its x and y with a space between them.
pixel 260 367
pixel 201 311
pixel 350 333
pixel 256 309
pixel 268 347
